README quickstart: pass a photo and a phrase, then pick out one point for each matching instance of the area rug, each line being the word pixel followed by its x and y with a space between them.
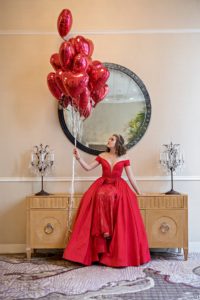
pixel 49 277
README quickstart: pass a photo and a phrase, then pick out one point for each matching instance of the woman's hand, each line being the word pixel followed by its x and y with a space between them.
pixel 83 164
pixel 76 154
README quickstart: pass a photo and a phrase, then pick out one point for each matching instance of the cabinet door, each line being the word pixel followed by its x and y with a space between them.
pixel 48 228
pixel 165 228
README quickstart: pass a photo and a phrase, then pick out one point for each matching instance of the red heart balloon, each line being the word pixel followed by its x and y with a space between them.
pixel 91 64
pixel 84 99
pixel 55 61
pixel 97 63
pixel 86 113
pixel 99 94
pixel 75 83
pixel 64 22
pixel 91 47
pixel 53 87
pixel 92 70
pixel 83 46
pixel 99 74
pixel 80 63
pixel 59 82
pixel 66 54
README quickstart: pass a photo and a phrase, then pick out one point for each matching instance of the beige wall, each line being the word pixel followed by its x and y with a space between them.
pixel 158 40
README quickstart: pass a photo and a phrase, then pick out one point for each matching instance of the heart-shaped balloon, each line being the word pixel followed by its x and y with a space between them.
pixel 98 77
pixel 64 22
pixel 99 74
pixel 99 94
pixel 80 63
pixel 91 64
pixel 97 63
pixel 87 111
pixel 55 61
pixel 66 54
pixel 84 99
pixel 83 46
pixel 59 82
pixel 91 47
pixel 75 83
pixel 53 87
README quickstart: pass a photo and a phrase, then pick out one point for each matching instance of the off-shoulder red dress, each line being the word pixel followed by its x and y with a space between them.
pixel 109 207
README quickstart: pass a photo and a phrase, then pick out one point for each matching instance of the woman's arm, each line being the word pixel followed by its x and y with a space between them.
pixel 83 164
pixel 131 179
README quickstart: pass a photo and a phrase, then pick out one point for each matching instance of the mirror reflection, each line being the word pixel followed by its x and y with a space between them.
pixel 126 110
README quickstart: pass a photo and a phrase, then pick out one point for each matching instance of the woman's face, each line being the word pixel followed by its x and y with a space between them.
pixel 111 142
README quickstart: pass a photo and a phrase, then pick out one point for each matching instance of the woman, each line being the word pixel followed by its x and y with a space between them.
pixel 108 228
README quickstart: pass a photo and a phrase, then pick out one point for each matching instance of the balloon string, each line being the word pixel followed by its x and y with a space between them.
pixel 71 199
pixel 75 129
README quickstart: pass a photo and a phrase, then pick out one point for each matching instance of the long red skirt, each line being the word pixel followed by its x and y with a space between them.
pixel 108 208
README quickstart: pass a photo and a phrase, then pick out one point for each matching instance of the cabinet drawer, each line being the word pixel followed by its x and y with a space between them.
pixel 75 202
pixel 165 228
pixel 162 202
pixel 47 202
pixel 53 202
pixel 48 229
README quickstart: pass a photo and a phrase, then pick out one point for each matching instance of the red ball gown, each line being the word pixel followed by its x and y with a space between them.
pixel 109 207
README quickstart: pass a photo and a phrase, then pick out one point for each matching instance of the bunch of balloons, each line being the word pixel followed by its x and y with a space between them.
pixel 77 80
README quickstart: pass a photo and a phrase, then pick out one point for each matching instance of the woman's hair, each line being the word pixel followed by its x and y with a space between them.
pixel 120 146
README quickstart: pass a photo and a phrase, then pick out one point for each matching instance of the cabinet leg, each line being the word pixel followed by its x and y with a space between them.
pixel 185 250
pixel 28 253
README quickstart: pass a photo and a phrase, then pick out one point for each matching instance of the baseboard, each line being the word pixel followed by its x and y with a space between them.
pixel 21 248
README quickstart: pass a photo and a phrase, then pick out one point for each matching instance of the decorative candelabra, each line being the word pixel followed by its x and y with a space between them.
pixel 42 159
pixel 171 158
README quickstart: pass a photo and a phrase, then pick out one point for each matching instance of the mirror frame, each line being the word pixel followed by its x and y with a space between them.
pixel 143 128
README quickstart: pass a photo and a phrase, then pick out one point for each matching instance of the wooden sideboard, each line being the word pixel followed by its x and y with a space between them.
pixel 165 218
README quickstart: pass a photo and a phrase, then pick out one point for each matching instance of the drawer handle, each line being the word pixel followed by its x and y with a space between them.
pixel 48 229
pixel 164 227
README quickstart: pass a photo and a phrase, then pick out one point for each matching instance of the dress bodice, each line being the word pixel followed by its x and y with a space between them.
pixel 114 171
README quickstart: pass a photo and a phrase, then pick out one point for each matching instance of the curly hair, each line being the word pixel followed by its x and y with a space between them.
pixel 120 146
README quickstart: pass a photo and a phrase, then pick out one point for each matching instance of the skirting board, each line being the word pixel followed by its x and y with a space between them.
pixel 21 248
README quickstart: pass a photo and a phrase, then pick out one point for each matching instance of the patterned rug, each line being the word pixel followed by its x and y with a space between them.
pixel 49 277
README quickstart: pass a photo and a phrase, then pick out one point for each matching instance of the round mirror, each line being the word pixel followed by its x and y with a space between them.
pixel 126 110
